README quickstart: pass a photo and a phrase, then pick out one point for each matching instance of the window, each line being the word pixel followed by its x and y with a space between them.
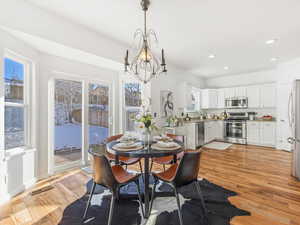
pixel 193 100
pixel 15 103
pixel 132 103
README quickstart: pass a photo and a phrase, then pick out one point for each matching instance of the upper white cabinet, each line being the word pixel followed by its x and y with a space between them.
pixel 234 92
pixel 253 94
pixel 221 98
pixel 240 92
pixel 259 96
pixel 209 99
pixel 229 92
pixel 268 96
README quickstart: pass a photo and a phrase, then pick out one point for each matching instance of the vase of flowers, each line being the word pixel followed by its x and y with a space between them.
pixel 146 123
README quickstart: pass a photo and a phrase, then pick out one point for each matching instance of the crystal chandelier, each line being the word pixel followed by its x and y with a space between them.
pixel 145 65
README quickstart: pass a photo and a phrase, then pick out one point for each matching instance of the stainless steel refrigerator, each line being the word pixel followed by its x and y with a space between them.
pixel 294 122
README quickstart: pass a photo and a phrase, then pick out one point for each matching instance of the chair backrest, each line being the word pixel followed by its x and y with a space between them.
pixel 103 174
pixel 178 138
pixel 113 138
pixel 188 168
pixel 110 139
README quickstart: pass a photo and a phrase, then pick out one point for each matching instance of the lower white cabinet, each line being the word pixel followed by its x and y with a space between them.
pixel 268 134
pixel 253 133
pixel 208 131
pixel 261 133
pixel 213 130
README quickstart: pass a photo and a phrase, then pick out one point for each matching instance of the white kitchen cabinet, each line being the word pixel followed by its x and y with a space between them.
pixel 209 99
pixel 253 94
pixel 213 130
pixel 268 96
pixel 240 92
pixel 261 133
pixel 253 133
pixel 208 132
pixel 268 134
pixel 229 92
pixel 221 98
pixel 219 130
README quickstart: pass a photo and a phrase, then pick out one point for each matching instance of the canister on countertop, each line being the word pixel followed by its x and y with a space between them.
pixel 252 115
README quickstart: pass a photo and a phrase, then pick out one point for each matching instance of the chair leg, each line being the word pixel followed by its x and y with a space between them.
pixel 164 167
pixel 140 197
pixel 153 195
pixel 111 209
pixel 179 207
pixel 126 167
pixel 151 165
pixel 202 202
pixel 89 201
pixel 141 168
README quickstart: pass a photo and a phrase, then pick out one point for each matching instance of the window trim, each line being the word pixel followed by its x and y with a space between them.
pixel 145 90
pixel 28 91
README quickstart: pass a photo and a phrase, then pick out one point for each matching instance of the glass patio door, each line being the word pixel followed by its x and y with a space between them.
pixel 68 119
pixel 81 121
pixel 98 113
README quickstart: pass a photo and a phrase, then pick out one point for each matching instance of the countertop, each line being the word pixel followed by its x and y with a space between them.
pixel 209 120
pixel 261 120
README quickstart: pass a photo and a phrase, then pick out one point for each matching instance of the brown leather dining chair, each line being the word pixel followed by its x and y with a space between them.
pixel 122 159
pixel 113 178
pixel 168 160
pixel 183 173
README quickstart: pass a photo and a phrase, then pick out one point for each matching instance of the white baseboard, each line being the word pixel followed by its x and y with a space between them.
pixel 18 190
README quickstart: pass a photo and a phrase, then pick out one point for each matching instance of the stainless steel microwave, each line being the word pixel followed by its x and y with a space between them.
pixel 236 103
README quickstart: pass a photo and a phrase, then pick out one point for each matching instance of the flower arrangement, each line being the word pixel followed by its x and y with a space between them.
pixel 145 118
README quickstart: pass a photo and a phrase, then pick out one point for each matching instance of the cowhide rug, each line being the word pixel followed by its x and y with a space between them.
pixel 164 212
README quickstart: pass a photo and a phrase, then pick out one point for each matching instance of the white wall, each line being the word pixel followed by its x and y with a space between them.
pixel 26 171
pixel 261 77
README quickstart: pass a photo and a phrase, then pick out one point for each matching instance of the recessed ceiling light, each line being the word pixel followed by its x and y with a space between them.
pixel 273 59
pixel 226 68
pixel 271 41
pixel 211 56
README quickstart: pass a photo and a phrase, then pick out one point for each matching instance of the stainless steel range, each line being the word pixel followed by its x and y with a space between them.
pixel 235 128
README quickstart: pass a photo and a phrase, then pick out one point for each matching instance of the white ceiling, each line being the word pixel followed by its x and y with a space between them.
pixel 189 31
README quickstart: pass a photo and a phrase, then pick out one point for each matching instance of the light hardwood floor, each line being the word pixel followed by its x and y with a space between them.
pixel 261 177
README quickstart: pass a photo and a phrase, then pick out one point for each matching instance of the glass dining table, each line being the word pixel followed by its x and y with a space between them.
pixel 146 152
